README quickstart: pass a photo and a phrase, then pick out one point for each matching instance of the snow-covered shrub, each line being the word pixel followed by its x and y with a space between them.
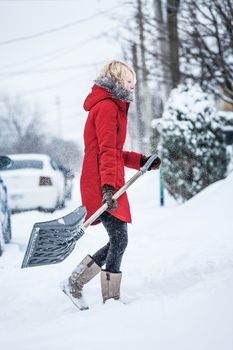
pixel 192 142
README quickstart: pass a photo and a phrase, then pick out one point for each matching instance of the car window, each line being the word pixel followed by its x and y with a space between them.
pixel 25 164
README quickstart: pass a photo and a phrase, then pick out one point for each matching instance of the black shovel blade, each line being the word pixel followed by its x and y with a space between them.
pixel 52 241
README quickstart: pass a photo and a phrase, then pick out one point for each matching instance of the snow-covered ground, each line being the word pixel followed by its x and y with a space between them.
pixel 177 275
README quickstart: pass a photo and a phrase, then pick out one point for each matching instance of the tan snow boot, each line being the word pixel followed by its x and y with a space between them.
pixel 110 285
pixel 83 273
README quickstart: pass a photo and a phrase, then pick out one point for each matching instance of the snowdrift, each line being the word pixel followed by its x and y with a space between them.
pixel 177 277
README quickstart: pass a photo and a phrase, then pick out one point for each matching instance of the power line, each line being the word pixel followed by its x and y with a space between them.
pixel 53 30
pixel 38 0
pixel 46 88
pixel 55 85
pixel 48 70
pixel 59 52
pixel 38 57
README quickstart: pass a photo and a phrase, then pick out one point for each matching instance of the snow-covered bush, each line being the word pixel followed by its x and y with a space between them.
pixel 192 142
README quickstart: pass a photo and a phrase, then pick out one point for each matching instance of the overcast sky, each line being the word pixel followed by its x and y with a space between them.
pixel 51 51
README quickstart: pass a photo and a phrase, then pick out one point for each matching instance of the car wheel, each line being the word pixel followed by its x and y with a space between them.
pixel 58 204
pixel 47 210
pixel 68 195
pixel 52 210
pixel 61 205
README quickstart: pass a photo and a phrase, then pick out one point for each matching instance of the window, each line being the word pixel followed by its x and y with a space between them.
pixel 25 164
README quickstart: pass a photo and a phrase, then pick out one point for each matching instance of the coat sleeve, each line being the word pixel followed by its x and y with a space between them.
pixel 106 132
pixel 132 159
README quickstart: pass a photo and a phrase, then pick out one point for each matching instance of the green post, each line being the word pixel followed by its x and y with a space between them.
pixel 161 187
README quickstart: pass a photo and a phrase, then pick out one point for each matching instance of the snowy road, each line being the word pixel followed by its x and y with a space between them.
pixel 177 273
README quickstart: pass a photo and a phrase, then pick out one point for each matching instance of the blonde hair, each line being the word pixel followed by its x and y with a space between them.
pixel 117 71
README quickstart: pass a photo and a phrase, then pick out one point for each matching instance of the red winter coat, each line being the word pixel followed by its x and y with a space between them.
pixel 104 158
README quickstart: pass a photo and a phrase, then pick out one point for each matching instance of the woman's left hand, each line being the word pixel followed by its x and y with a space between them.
pixel 154 166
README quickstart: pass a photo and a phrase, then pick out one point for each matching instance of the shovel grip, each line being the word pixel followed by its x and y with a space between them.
pixel 104 207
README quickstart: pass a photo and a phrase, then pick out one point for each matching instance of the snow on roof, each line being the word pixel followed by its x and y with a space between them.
pixel 29 156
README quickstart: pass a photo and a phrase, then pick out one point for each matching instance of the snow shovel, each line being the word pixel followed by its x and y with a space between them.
pixel 52 241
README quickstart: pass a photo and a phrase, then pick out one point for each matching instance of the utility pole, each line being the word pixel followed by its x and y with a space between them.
pixel 163 47
pixel 59 117
pixel 139 115
pixel 146 92
pixel 172 26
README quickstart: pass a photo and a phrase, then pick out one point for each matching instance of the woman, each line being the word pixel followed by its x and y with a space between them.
pixel 103 174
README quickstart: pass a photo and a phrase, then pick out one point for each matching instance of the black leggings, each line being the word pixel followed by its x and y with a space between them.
pixel 111 254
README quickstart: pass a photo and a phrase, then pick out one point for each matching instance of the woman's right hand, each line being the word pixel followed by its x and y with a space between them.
pixel 107 193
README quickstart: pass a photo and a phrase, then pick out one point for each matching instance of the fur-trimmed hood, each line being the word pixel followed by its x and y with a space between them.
pixel 117 91
pixel 105 88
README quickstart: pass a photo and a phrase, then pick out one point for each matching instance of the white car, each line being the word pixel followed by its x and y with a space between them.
pixel 34 182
